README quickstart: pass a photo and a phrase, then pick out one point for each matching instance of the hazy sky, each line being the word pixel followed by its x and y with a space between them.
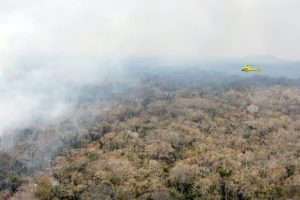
pixel 181 28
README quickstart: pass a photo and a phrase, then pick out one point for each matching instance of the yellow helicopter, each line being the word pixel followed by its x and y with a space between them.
pixel 250 68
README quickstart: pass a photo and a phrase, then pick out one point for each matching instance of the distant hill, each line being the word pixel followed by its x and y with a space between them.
pixel 262 59
pixel 271 65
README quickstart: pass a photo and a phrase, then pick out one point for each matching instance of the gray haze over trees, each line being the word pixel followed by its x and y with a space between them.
pixel 48 48
pixel 149 86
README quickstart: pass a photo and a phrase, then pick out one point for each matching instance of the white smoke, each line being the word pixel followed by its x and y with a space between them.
pixel 47 48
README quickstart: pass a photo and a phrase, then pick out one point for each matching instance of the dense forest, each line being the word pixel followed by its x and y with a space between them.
pixel 172 134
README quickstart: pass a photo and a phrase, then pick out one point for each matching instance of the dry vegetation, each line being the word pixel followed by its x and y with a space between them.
pixel 179 138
